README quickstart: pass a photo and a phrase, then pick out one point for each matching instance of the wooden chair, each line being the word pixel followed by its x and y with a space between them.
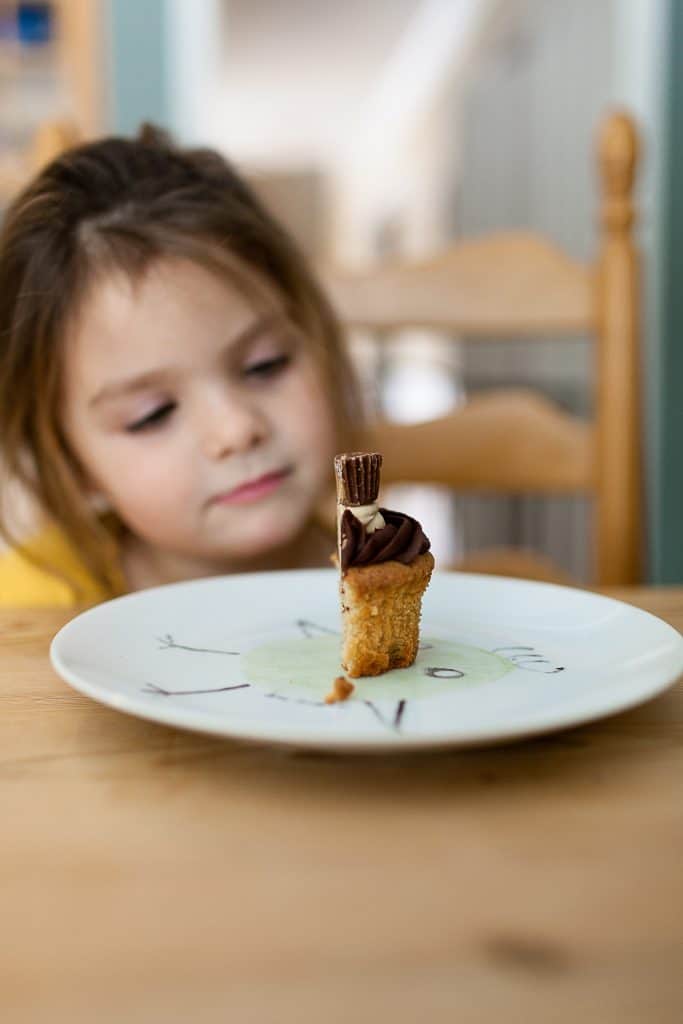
pixel 517 442
pixel 51 138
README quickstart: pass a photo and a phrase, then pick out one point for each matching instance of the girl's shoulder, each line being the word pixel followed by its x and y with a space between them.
pixel 25 585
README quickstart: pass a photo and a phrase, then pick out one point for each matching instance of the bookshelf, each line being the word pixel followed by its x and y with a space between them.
pixel 51 72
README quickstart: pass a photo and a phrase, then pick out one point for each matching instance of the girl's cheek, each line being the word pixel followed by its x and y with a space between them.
pixel 145 474
pixel 310 410
pixel 154 502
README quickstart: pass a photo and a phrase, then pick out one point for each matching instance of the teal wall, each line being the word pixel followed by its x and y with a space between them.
pixel 667 501
pixel 138 79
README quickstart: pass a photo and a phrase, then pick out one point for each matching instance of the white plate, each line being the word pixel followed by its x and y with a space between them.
pixel 253 656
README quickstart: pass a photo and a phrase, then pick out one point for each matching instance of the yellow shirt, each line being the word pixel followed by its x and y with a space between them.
pixel 24 585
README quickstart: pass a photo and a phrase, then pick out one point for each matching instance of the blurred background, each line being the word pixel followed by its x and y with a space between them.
pixel 390 128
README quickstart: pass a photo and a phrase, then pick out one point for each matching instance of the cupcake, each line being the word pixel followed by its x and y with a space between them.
pixel 385 566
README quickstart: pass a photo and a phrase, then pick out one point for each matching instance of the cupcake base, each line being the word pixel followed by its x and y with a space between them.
pixel 381 607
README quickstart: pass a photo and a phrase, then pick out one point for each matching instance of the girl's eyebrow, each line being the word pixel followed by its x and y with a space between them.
pixel 121 387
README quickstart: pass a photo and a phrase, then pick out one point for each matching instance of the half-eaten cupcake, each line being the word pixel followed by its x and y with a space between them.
pixel 385 565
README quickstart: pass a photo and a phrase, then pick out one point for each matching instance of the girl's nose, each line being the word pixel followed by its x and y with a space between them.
pixel 231 425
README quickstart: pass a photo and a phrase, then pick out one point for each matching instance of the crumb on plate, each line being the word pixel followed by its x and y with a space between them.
pixel 341 690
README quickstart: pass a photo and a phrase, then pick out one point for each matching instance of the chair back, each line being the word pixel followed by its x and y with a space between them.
pixel 520 285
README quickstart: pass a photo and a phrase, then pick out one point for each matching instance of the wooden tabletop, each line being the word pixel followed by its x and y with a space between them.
pixel 151 875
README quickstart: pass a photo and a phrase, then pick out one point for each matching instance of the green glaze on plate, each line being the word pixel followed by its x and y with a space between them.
pixel 305 667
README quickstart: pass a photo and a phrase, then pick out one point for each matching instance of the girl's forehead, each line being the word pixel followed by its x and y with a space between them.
pixel 185 283
pixel 177 310
pixel 168 294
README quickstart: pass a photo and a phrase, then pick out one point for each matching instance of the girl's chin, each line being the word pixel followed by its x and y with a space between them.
pixel 260 542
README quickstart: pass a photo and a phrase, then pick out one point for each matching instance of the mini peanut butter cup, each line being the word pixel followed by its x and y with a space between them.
pixel 357 476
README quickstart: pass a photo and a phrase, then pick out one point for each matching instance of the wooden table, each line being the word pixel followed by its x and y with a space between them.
pixel 150 875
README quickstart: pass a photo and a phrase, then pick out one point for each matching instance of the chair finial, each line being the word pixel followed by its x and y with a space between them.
pixel 618 151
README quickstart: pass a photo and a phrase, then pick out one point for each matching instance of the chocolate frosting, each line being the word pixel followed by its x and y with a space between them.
pixel 401 540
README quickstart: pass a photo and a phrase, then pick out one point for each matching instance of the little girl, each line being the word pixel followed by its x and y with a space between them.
pixel 173 384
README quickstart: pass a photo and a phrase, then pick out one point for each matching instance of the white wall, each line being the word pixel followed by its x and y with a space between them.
pixel 277 84
pixel 350 89
pixel 195 45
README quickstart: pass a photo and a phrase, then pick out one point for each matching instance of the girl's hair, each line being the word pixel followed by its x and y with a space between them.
pixel 119 205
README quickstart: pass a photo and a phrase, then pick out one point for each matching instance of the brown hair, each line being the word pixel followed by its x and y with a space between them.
pixel 121 204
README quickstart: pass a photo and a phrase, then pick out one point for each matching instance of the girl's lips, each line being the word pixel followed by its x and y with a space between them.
pixel 253 490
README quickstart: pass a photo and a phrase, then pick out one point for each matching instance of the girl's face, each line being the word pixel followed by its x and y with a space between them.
pixel 198 413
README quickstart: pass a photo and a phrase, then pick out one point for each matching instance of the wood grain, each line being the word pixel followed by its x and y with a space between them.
pixel 619 551
pixel 501 285
pixel 502 443
pixel 82 44
pixel 150 875
pixel 50 141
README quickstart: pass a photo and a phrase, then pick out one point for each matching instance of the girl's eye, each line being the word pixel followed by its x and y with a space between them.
pixel 268 367
pixel 154 418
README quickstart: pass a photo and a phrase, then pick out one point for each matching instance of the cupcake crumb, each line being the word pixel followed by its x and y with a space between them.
pixel 341 690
